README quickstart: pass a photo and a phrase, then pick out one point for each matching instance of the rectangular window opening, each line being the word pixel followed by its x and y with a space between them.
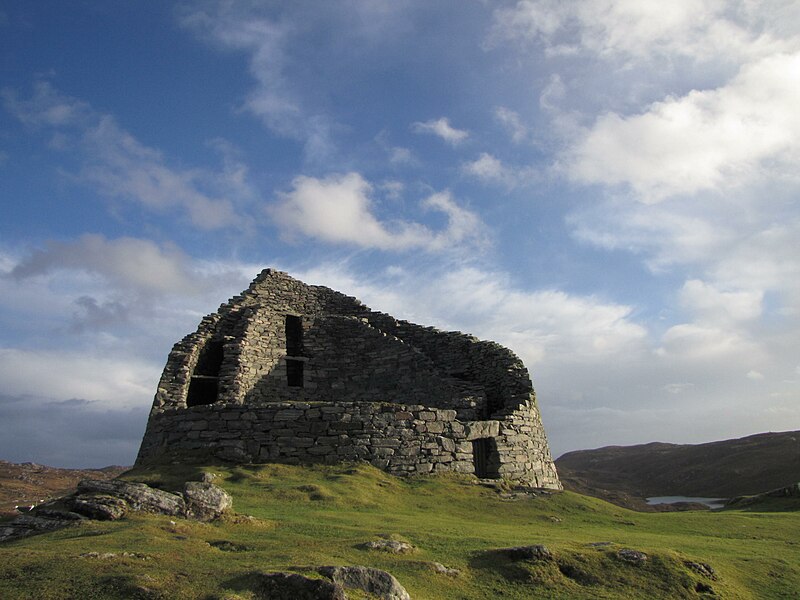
pixel 202 390
pixel 294 335
pixel 204 382
pixel 294 373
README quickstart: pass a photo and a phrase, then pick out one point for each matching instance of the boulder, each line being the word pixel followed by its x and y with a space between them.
pixel 391 546
pixel 291 586
pixel 534 552
pixel 138 496
pixel 40 522
pixel 100 507
pixel 635 557
pixel 374 581
pixel 701 568
pixel 443 570
pixel 205 501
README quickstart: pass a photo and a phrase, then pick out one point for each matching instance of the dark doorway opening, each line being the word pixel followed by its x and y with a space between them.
pixel 210 360
pixel 294 335
pixel 294 372
pixel 485 458
pixel 204 383
pixel 202 390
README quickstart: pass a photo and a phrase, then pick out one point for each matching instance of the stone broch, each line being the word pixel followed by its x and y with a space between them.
pixel 295 373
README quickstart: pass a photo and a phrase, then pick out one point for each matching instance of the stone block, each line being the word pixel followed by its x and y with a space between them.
pixel 288 414
pixel 481 429
pixel 447 444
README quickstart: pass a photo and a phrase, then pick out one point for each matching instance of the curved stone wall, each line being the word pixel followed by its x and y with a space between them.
pixel 355 384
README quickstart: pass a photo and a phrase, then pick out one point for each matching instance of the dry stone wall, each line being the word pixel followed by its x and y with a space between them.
pixel 297 373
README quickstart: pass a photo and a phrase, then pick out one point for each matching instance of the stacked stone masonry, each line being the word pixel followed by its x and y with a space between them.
pixel 288 372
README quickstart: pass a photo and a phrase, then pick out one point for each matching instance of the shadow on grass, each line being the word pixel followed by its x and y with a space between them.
pixel 500 563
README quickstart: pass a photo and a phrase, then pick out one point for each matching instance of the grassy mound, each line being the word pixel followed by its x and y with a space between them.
pixel 292 517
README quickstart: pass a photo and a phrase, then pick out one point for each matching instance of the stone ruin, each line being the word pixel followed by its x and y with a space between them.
pixel 295 373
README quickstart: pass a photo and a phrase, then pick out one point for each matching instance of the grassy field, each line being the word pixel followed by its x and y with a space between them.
pixel 290 517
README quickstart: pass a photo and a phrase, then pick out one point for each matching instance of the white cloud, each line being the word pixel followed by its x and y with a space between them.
pixel 339 209
pixel 666 234
pixel 710 303
pixel 62 375
pixel 677 388
pixel 127 263
pixel 543 326
pixel 765 259
pixel 699 342
pixel 119 166
pixel 641 30
pixel 398 155
pixel 755 375
pixel 401 156
pixel 705 140
pixel 275 99
pixel 512 122
pixel 441 127
pixel 488 168
pixel 47 107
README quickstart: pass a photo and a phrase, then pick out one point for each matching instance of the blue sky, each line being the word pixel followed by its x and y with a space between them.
pixel 610 188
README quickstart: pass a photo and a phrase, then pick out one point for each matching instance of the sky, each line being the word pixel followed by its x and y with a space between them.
pixel 608 187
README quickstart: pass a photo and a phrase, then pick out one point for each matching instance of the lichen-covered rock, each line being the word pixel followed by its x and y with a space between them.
pixel 701 568
pixel 382 584
pixel 205 501
pixel 39 522
pixel 99 507
pixel 292 586
pixel 443 570
pixel 635 557
pixel 534 552
pixel 109 500
pixel 391 546
pixel 138 496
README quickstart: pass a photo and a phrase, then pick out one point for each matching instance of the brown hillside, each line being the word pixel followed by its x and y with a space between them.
pixel 29 483
pixel 737 467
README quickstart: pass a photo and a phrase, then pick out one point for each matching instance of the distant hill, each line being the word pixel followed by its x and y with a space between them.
pixel 738 467
pixel 29 483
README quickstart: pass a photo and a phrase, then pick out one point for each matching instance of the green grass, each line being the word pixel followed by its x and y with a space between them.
pixel 305 516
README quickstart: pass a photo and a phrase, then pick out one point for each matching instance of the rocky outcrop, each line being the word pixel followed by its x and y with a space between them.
pixel 42 521
pixel 634 557
pixel 534 552
pixel 99 507
pixel 138 496
pixel 790 491
pixel 112 500
pixel 391 546
pixel 292 586
pixel 205 501
pixel 333 586
pixel 702 568
pixel 373 581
